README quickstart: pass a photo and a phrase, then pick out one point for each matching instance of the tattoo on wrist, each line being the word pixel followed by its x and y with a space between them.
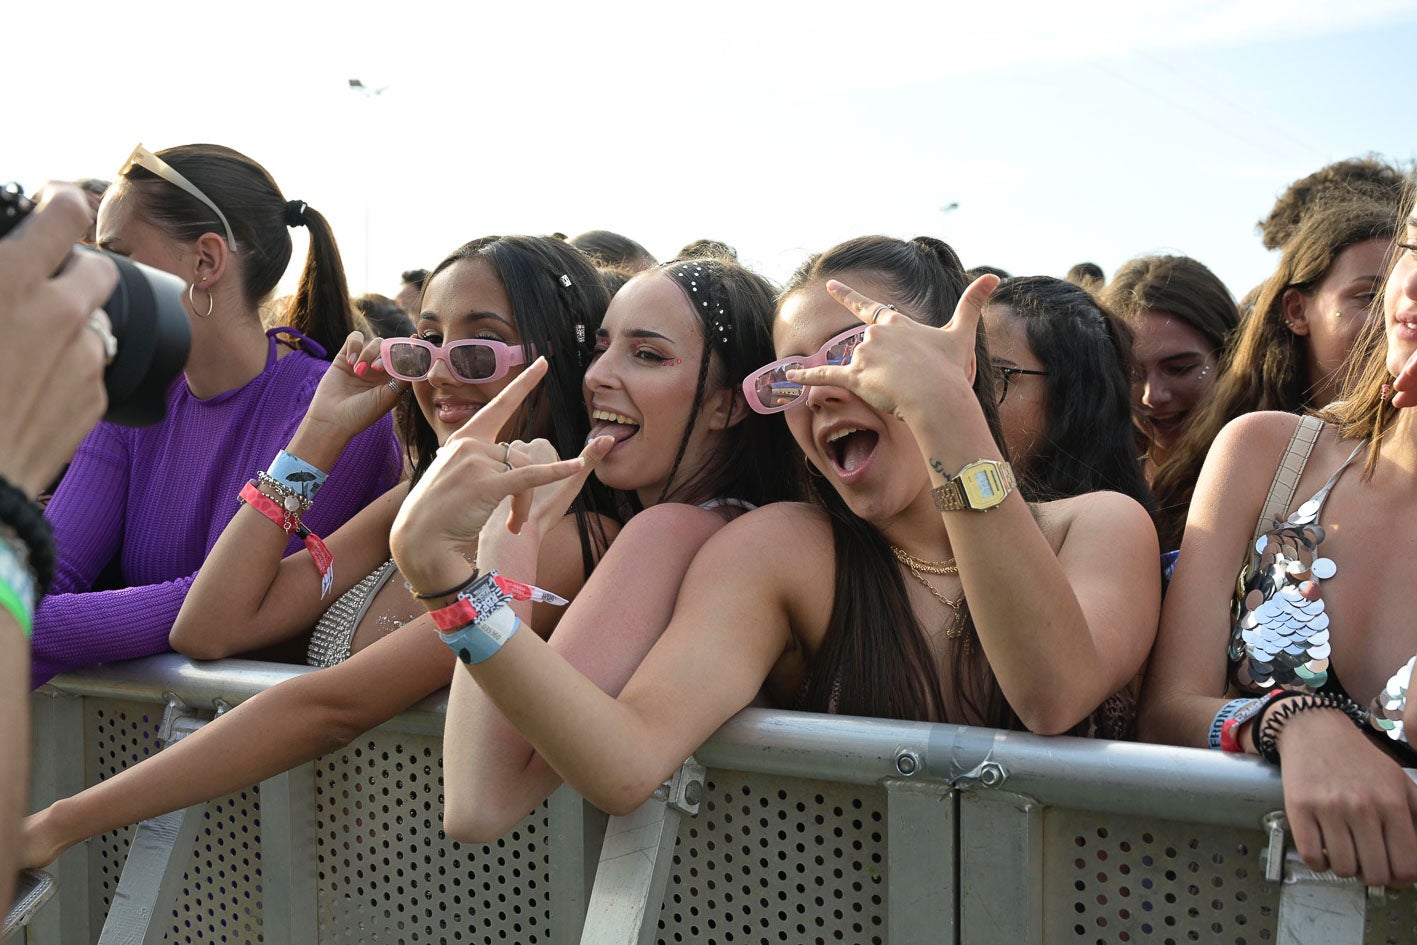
pixel 938 466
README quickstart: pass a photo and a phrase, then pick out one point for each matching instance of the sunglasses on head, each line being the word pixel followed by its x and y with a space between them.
pixel 769 391
pixel 473 361
pixel 142 157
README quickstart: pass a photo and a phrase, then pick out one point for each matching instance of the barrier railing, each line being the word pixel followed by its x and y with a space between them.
pixel 802 828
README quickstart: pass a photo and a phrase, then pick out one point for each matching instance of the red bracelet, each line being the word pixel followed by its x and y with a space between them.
pixel 289 521
pixel 1230 731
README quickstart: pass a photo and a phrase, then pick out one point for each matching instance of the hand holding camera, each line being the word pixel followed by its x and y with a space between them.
pixel 57 339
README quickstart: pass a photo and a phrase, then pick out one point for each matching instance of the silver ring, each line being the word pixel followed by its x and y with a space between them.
pixel 105 335
pixel 394 386
pixel 879 309
pixel 507 457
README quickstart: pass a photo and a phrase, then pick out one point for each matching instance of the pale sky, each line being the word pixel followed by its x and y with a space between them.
pixel 1063 132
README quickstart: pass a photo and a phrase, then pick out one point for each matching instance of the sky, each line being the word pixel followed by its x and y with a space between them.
pixel 1061 132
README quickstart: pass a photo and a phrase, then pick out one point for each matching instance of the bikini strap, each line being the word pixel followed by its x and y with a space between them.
pixel 1286 477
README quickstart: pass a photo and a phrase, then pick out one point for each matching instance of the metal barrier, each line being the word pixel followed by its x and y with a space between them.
pixel 808 829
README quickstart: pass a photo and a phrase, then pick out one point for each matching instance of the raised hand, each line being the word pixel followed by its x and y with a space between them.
pixel 355 391
pixel 472 473
pixel 902 366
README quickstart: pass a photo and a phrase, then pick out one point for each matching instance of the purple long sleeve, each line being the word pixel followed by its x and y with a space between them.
pixel 158 498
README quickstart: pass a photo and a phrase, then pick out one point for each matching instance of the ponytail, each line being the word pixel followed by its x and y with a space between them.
pixel 321 308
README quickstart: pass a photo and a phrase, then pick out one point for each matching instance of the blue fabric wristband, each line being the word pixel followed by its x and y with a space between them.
pixel 481 639
pixel 299 476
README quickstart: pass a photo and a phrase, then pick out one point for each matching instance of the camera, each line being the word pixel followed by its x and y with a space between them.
pixel 148 320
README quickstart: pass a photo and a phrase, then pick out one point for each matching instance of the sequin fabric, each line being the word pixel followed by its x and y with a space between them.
pixel 1280 637
pixel 334 634
pixel 1388 706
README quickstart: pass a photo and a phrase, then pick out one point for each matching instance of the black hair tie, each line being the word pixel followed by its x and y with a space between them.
pixel 295 212
pixel 31 527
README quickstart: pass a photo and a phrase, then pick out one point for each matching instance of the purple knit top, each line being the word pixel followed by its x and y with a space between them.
pixel 158 497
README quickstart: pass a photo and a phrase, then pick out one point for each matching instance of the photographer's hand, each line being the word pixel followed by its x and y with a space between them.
pixel 51 365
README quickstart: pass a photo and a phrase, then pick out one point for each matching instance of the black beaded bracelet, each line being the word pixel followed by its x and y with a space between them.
pixel 31 527
pixel 1290 704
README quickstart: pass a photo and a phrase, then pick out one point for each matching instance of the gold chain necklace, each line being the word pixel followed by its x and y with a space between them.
pixel 947 566
pixel 955 628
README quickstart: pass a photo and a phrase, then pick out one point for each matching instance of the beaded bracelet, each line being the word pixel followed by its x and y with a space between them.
pixel 31 528
pixel 1290 704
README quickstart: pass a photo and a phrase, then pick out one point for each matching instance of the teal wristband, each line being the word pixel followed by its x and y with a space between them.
pixel 481 639
pixel 24 616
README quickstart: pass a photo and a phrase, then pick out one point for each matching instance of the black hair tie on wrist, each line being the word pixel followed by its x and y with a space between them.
pixel 31 527
pixel 1290 704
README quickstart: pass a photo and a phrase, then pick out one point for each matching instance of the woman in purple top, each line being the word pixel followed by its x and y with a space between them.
pixel 155 500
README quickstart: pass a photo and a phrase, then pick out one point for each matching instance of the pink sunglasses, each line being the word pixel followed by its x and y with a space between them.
pixel 473 361
pixel 769 391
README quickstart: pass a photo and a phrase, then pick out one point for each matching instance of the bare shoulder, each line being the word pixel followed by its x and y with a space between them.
pixel 787 538
pixel 1253 436
pixel 1097 516
pixel 670 521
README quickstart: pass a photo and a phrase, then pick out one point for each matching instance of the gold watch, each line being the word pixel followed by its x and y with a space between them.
pixel 980 486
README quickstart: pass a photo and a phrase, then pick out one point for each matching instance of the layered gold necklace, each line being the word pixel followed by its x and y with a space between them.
pixel 919 567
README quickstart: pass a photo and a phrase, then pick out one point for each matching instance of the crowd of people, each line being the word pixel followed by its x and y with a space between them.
pixel 551 473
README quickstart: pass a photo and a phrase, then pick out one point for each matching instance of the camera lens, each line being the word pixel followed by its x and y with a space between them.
pixel 154 337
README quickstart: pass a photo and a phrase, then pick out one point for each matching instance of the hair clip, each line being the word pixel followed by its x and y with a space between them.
pixel 565 280
pixel 580 333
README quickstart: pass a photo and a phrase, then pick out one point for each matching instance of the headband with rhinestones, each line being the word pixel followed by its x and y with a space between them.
pixel 705 292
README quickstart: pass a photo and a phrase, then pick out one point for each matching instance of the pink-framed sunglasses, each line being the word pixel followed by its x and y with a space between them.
pixel 769 391
pixel 473 361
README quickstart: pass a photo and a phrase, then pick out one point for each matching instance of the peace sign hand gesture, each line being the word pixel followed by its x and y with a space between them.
pixel 901 366
pixel 472 473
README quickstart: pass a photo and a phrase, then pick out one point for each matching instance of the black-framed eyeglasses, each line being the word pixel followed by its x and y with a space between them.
pixel 1007 374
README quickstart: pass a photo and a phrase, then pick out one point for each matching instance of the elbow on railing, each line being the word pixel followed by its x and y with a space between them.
pixel 1049 716
pixel 198 645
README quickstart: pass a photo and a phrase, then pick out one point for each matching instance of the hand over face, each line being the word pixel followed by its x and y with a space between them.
pixel 902 366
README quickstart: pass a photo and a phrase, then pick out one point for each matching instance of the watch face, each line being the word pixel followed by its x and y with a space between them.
pixel 983 485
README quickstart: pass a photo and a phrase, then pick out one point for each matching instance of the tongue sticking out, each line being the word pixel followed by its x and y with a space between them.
pixel 853 449
pixel 620 431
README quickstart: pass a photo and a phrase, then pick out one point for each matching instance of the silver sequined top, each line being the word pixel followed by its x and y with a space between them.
pixel 334 634
pixel 1280 636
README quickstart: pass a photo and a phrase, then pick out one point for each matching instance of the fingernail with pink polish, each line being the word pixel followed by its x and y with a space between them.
pixel 361 368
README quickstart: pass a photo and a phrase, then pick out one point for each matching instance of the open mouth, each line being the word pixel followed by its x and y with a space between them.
pixel 455 412
pixel 850 449
pixel 611 424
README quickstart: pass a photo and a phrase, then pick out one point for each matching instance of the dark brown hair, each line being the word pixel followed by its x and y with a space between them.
pixel 1367 178
pixel 875 659
pixel 1184 288
pixel 256 210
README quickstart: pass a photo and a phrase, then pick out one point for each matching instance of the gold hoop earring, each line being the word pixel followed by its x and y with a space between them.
pixel 812 470
pixel 211 302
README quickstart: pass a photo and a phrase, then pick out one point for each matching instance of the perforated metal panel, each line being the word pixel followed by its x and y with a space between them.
pixel 771 859
pixel 221 888
pixel 388 874
pixel 119 734
pixel 1115 879
pixel 221 892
